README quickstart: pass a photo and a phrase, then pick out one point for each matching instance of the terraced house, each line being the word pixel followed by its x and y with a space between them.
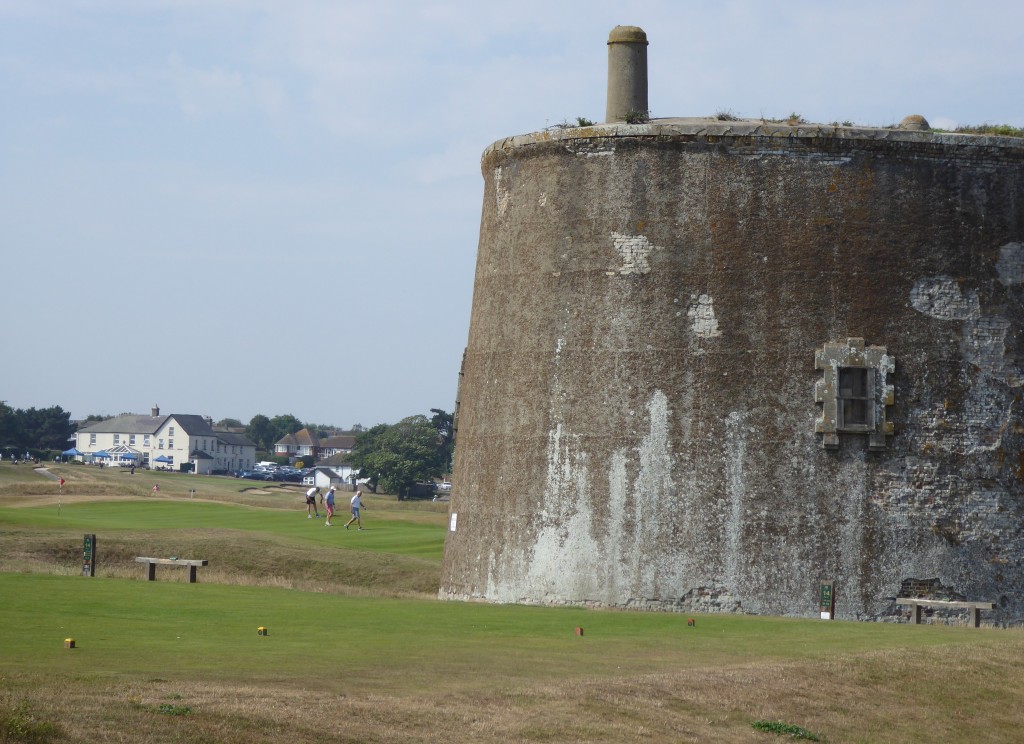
pixel 176 441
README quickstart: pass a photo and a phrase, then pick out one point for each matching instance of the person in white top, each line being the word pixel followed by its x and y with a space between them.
pixel 357 504
pixel 311 495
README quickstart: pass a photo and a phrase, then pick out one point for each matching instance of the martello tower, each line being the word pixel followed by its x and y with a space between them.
pixel 714 363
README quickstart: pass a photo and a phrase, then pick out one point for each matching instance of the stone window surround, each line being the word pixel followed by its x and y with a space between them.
pixel 831 358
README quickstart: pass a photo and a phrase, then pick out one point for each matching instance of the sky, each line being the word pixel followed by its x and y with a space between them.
pixel 241 207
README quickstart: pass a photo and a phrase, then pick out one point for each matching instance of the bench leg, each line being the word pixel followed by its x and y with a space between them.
pixel 192 574
pixel 915 614
pixel 975 617
pixel 151 571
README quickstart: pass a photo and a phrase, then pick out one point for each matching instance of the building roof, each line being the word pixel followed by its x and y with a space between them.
pixel 230 437
pixel 192 424
pixel 301 438
pixel 339 441
pixel 128 423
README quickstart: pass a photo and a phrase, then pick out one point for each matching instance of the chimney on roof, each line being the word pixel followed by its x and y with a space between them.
pixel 156 410
pixel 627 74
pixel 209 420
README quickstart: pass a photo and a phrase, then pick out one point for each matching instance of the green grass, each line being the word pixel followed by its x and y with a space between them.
pixel 385 530
pixel 363 653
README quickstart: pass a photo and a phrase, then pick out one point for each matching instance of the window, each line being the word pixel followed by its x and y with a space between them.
pixel 159 443
pixel 92 440
pixel 170 431
pixel 853 392
pixel 131 440
pixel 145 440
pixel 170 444
pixel 117 439
pixel 856 404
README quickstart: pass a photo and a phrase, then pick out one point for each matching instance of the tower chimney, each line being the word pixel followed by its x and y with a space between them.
pixel 627 73
pixel 156 410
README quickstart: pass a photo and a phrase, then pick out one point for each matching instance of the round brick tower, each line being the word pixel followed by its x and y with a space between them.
pixel 713 365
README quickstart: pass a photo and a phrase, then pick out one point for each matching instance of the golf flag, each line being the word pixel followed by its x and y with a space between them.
pixel 62 483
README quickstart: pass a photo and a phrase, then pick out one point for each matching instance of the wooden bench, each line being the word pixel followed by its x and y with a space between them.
pixel 944 604
pixel 154 562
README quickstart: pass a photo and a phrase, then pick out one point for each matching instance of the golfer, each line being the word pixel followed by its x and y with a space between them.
pixel 329 503
pixel 311 495
pixel 357 504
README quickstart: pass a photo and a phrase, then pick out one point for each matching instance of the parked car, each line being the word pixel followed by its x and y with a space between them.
pixel 257 475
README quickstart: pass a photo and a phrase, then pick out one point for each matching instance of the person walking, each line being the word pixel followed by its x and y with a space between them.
pixel 329 502
pixel 311 495
pixel 357 504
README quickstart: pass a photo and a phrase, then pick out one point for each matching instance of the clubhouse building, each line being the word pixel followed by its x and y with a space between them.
pixel 184 442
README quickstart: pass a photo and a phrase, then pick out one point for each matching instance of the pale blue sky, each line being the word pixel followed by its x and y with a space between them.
pixel 302 178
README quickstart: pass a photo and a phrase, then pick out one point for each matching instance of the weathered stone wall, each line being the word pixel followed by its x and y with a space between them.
pixel 637 412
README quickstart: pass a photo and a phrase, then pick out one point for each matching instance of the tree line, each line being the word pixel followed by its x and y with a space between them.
pixel 393 456
pixel 34 430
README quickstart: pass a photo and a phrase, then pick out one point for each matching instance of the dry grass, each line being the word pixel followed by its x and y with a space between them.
pixel 235 558
pixel 893 696
pixel 966 689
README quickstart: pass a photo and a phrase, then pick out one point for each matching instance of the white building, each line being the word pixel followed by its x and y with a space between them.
pixel 170 442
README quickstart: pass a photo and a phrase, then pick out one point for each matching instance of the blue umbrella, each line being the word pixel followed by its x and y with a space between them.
pixel 72 452
pixel 128 456
pixel 101 453
pixel 163 458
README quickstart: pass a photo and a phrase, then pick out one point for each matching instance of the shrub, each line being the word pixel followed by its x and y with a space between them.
pixel 22 725
pixel 785 729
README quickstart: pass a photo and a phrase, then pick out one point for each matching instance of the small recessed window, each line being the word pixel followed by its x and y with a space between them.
pixel 856 395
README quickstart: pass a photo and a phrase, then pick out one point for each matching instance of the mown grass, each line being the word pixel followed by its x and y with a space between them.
pixel 349 659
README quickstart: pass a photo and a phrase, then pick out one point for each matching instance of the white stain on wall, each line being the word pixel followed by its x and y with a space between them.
pixel 701 313
pixel 583 554
pixel 1011 264
pixel 502 195
pixel 634 252
pixel 940 297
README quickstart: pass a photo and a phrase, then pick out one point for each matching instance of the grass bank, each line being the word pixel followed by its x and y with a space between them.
pixel 357 650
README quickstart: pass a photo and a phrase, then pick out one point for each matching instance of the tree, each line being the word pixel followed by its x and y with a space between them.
pixel 284 425
pixel 266 432
pixel 92 418
pixel 444 423
pixel 35 428
pixel 230 423
pixel 396 456
pixel 46 428
pixel 260 432
pixel 10 427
